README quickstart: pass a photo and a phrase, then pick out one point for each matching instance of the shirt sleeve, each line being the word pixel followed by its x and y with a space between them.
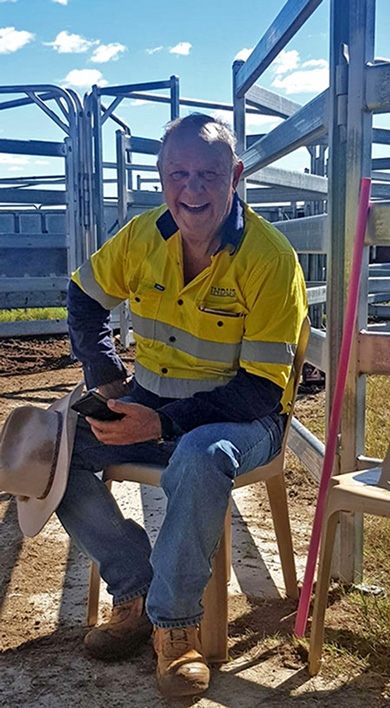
pixel 245 398
pixel 91 338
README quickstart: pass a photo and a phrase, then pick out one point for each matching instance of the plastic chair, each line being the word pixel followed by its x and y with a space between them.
pixel 366 492
pixel 215 600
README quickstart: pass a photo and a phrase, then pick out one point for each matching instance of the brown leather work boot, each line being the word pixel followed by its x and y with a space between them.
pixel 181 667
pixel 128 628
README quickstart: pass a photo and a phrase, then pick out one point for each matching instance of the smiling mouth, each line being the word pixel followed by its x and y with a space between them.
pixel 194 208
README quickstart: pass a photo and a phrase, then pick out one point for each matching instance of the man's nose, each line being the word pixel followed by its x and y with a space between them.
pixel 194 182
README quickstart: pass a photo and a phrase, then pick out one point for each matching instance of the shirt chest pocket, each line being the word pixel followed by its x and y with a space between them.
pixel 219 334
pixel 145 301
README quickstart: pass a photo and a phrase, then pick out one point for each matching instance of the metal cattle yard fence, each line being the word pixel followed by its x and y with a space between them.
pixel 50 224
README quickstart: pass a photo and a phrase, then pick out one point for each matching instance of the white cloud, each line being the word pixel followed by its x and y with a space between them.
pixel 261 124
pixel 285 61
pixel 316 63
pixel 243 54
pixel 182 48
pixel 84 78
pixel 66 43
pixel 304 81
pixel 61 2
pixel 8 0
pixel 6 159
pixel 106 52
pixel 154 50
pixel 294 77
pixel 138 102
pixel 11 39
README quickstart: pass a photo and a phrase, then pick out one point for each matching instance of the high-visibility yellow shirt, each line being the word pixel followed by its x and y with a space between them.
pixel 244 310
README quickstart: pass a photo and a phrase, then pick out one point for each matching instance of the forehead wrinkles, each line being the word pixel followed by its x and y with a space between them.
pixel 187 147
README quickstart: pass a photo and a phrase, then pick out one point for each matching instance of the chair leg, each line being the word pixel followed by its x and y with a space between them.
pixel 321 593
pixel 93 594
pixel 278 502
pixel 228 540
pixel 214 626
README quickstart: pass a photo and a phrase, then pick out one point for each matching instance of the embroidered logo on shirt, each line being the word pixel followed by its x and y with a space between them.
pixel 223 292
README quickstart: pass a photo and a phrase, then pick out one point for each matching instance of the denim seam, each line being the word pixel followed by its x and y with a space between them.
pixel 177 624
pixel 142 592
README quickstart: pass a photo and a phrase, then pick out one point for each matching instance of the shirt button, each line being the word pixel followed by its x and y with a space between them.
pixel 220 323
pixel 164 370
pixel 172 339
pixel 137 299
pixel 180 302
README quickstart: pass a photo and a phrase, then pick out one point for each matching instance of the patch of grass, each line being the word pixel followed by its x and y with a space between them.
pixel 377 415
pixel 36 313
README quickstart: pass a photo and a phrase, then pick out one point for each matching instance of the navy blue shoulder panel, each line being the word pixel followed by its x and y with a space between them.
pixel 166 225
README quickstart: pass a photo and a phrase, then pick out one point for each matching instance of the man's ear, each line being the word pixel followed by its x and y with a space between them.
pixel 158 165
pixel 237 173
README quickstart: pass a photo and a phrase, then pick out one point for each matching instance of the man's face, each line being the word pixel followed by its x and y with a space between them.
pixel 199 182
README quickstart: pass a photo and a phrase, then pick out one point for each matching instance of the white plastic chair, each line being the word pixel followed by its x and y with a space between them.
pixel 366 492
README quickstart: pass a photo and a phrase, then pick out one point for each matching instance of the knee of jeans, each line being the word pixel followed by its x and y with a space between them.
pixel 197 462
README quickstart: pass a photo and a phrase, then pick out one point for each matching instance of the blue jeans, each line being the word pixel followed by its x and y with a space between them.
pixel 200 468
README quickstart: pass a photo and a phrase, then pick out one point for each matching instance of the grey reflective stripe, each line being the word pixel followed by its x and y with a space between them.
pixel 268 352
pixel 93 289
pixel 220 352
pixel 166 386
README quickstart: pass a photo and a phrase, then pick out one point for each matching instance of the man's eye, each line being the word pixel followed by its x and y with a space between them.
pixel 209 175
pixel 178 175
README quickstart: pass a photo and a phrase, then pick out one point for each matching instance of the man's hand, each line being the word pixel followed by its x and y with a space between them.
pixel 139 424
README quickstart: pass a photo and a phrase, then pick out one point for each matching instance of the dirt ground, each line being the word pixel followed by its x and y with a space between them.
pixel 44 580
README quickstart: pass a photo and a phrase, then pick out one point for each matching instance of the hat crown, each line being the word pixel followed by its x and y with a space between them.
pixel 28 450
pixel 35 450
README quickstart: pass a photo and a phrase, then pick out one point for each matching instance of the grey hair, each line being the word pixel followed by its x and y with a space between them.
pixel 199 123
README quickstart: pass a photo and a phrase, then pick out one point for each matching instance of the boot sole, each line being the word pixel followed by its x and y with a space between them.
pixel 174 686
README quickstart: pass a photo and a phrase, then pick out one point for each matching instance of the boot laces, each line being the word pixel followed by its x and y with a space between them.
pixel 179 640
pixel 180 637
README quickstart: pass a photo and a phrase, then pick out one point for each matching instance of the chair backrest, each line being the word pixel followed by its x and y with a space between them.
pixel 295 377
pixel 296 370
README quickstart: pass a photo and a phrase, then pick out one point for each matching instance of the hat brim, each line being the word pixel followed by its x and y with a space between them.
pixel 33 513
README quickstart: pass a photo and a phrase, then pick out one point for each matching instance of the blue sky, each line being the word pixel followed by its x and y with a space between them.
pixel 76 43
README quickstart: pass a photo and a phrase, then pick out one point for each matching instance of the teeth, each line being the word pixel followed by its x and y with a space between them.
pixel 195 207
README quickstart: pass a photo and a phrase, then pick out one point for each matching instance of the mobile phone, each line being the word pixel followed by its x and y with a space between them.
pixel 94 404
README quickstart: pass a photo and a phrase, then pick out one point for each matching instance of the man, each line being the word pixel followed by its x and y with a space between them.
pixel 217 299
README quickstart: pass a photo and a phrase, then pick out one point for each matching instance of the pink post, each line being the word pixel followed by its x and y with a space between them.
pixel 335 417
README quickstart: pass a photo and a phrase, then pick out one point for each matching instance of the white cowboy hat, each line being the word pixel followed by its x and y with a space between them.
pixel 35 451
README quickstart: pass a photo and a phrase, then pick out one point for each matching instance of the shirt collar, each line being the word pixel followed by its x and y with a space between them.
pixel 232 229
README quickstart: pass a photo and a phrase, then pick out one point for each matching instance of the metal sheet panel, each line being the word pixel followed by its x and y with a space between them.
pixel 271 103
pixel 316 352
pixel 276 176
pixel 309 450
pixel 21 329
pixel 307 235
pixel 373 352
pixel 33 147
pixel 378 227
pixel 378 87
